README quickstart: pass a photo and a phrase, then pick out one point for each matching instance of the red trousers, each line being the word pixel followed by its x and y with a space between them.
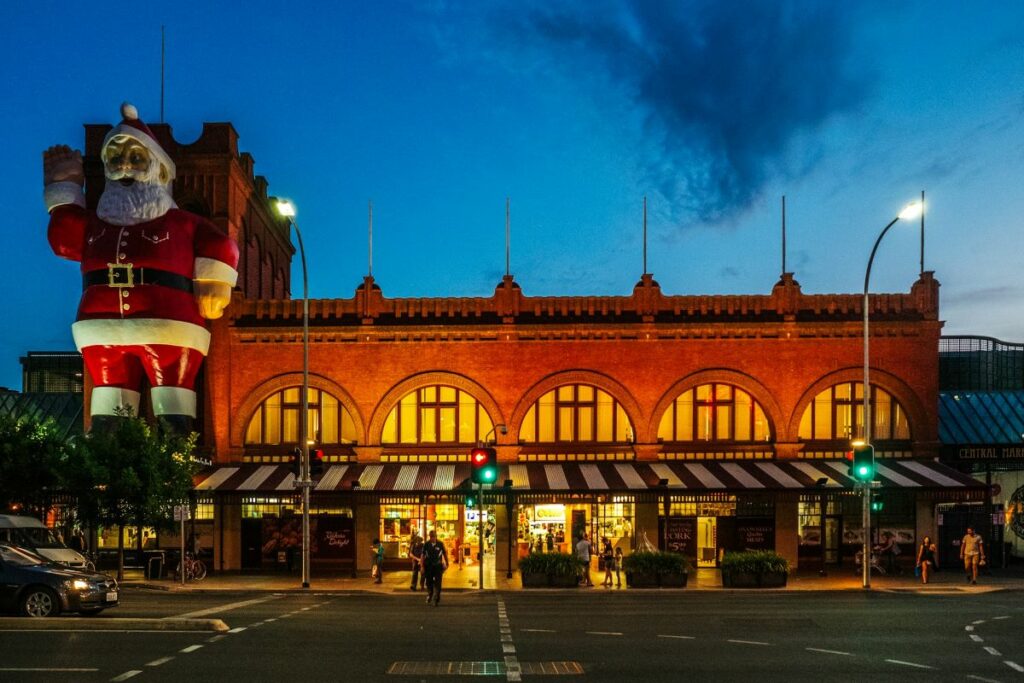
pixel 123 366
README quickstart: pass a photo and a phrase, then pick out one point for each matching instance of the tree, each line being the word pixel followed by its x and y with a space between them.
pixel 132 474
pixel 31 457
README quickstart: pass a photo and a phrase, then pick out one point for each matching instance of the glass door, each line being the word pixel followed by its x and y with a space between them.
pixel 833 534
pixel 707 542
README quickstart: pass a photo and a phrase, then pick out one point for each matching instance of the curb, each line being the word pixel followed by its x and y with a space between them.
pixel 112 624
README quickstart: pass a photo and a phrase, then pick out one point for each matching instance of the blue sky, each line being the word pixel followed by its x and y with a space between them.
pixel 437 111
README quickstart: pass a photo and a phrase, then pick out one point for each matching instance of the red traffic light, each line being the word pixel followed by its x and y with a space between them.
pixel 479 456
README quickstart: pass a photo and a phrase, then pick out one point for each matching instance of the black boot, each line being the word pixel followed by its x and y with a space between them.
pixel 177 425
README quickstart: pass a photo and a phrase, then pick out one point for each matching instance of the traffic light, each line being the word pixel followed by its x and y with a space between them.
pixel 470 500
pixel 863 466
pixel 484 464
pixel 876 506
pixel 297 462
pixel 316 462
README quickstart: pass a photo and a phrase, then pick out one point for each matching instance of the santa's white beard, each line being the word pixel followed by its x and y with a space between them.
pixel 135 203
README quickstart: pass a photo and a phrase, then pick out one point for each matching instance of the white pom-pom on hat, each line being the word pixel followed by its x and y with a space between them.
pixel 129 111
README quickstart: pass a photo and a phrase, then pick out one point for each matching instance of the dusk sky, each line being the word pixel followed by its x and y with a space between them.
pixel 437 111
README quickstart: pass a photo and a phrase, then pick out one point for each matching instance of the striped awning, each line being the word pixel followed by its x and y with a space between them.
pixel 705 476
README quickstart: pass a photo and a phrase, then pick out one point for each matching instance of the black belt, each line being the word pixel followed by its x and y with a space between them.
pixel 125 275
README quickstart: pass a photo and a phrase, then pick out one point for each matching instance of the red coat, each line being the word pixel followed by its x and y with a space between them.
pixel 178 242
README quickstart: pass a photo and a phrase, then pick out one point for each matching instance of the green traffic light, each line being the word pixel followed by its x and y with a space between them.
pixel 863 471
pixel 489 474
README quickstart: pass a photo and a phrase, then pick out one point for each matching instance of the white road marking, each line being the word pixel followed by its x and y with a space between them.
pixel 271 620
pixel 238 629
pixel 976 638
pixel 222 608
pixel 968 628
pixel 603 633
pixel 979 621
pixel 1002 617
pixel 126 675
pixel 214 639
pixel 513 670
pixel 747 642
pixel 829 652
pixel 12 668
pixel 919 666
pixel 979 678
pixel 538 630
pixel 309 608
pixel 992 651
pixel 508 648
pixel 158 662
pixel 190 648
pixel 1014 665
pixel 677 637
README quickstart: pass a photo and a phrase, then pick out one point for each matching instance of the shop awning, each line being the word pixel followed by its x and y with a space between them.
pixel 705 476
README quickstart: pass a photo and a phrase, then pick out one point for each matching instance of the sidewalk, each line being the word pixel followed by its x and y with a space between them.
pixel 467 578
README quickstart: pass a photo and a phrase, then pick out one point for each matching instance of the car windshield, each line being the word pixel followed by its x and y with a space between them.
pixel 19 557
pixel 38 537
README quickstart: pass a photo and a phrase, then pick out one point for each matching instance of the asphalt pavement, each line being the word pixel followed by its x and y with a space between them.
pixel 589 636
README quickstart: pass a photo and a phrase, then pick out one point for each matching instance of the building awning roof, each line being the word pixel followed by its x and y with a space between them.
pixel 981 417
pixel 611 477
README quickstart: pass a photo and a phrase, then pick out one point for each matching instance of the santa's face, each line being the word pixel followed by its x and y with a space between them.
pixel 138 185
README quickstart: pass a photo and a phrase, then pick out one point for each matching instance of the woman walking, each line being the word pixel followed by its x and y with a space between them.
pixel 926 558
pixel 608 559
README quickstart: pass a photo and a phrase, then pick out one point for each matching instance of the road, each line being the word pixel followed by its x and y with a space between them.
pixel 649 636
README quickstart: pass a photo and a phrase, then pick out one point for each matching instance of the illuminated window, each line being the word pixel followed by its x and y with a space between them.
pixel 576 413
pixel 276 420
pixel 837 414
pixel 436 415
pixel 714 412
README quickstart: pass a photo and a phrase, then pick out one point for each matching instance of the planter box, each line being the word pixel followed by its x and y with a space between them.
pixel 637 580
pixel 563 581
pixel 749 580
pixel 534 580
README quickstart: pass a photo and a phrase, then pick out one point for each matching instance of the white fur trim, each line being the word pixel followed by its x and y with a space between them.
pixel 212 269
pixel 128 111
pixel 173 401
pixel 64 192
pixel 137 331
pixel 149 143
pixel 107 401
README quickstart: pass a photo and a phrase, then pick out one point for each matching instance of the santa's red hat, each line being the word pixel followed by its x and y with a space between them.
pixel 133 127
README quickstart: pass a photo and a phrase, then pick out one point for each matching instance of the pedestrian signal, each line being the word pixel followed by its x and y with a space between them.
pixel 316 462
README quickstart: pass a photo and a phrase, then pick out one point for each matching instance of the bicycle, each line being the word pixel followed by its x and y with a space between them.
pixel 195 569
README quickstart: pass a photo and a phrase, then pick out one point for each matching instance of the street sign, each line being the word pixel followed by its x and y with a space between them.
pixel 181 513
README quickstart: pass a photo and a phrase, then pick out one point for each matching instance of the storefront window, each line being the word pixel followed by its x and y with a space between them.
pixel 714 412
pixel 613 521
pixel 576 413
pixel 276 421
pixel 398 522
pixel 436 415
pixel 542 528
pixel 837 414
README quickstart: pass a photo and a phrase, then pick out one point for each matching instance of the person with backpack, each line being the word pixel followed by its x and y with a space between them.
pixel 435 561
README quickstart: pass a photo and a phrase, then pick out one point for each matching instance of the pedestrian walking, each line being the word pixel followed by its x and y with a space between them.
pixel 435 561
pixel 458 551
pixel 608 560
pixel 377 571
pixel 416 555
pixel 618 566
pixel 583 556
pixel 926 558
pixel 972 552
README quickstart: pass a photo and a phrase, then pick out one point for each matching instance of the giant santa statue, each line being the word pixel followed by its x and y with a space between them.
pixel 150 274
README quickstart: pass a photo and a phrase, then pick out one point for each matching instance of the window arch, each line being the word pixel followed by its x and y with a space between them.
pixel 436 414
pixel 576 413
pixel 837 414
pixel 714 412
pixel 276 420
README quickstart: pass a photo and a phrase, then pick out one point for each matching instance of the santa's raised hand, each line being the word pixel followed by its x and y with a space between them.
pixel 61 164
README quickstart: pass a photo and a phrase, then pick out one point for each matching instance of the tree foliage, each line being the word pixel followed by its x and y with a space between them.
pixel 32 454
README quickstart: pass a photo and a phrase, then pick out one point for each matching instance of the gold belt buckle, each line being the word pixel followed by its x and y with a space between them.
pixel 114 270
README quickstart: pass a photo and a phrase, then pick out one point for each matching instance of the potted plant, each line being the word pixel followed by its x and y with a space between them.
pixel 655 569
pixel 754 569
pixel 543 570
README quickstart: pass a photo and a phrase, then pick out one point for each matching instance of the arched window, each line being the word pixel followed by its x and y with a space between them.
pixel 436 415
pixel 576 413
pixel 276 420
pixel 837 414
pixel 714 412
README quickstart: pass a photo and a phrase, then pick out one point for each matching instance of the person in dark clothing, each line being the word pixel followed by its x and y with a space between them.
pixel 416 555
pixel 435 561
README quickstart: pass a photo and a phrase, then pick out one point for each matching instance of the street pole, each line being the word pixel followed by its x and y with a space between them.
pixel 480 532
pixel 304 421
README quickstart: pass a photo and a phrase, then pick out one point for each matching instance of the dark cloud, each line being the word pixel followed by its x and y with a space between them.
pixel 725 87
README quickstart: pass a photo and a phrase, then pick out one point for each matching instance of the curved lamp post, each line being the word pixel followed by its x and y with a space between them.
pixel 287 210
pixel 909 212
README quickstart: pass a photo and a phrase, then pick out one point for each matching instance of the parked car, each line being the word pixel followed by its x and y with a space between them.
pixel 31 534
pixel 33 586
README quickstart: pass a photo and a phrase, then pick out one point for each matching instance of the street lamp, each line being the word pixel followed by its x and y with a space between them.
pixel 909 212
pixel 287 210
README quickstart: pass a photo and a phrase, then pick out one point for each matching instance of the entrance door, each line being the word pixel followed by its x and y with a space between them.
pixel 707 541
pixel 252 542
pixel 833 536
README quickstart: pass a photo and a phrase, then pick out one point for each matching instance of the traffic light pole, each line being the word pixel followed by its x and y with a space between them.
pixel 480 532
pixel 866 552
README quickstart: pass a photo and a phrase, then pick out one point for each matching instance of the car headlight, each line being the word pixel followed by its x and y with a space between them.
pixel 78 585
